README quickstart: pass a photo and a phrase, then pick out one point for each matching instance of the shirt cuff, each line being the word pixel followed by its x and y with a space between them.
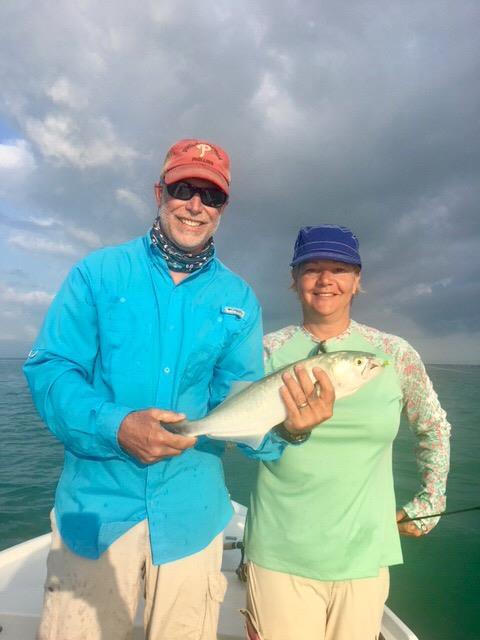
pixel 109 419
pixel 425 524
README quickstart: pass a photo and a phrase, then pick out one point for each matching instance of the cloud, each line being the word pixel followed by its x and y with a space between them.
pixel 37 244
pixel 21 311
pixel 89 239
pixel 43 223
pixel 276 107
pixel 133 201
pixel 16 156
pixel 30 298
pixel 59 138
pixel 363 114
pixel 63 92
pixel 17 163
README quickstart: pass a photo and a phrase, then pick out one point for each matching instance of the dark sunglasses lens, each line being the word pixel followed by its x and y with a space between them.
pixel 180 190
pixel 210 196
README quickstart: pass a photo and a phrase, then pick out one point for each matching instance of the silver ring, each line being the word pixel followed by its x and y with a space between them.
pixel 303 405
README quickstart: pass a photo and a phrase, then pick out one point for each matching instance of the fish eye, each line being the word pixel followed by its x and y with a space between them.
pixel 359 361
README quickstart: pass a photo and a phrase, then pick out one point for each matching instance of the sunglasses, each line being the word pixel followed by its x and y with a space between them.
pixel 210 196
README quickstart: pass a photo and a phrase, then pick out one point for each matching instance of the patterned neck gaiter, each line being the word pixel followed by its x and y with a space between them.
pixel 177 259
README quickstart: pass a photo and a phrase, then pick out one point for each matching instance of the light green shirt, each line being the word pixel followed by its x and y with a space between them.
pixel 326 509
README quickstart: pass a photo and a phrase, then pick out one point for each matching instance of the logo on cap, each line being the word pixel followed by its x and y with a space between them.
pixel 203 148
pixel 194 158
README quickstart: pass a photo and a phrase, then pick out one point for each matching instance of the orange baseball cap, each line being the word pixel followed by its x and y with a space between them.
pixel 192 158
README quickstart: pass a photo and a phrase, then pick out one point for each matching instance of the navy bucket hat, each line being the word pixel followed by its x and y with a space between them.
pixel 326 242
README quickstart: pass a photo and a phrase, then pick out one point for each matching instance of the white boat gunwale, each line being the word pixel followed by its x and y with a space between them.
pixel 22 574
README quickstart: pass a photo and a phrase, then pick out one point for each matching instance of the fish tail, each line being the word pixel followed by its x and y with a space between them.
pixel 182 428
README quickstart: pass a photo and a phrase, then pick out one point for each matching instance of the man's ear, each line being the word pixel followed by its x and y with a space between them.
pixel 158 188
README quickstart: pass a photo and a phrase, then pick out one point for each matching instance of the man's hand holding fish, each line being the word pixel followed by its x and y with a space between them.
pixel 143 437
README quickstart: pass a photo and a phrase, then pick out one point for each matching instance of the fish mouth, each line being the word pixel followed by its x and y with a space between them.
pixel 375 363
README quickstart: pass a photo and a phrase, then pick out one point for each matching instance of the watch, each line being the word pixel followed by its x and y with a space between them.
pixel 289 437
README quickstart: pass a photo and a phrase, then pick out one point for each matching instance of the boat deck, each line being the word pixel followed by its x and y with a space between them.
pixel 22 574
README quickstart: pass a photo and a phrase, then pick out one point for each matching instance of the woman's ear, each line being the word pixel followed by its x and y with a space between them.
pixel 358 285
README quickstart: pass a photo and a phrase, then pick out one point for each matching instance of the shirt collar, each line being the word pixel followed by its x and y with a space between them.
pixel 342 336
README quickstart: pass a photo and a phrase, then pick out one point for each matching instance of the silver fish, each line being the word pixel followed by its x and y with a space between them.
pixel 247 415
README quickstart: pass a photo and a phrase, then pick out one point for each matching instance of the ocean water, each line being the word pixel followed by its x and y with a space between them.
pixel 437 589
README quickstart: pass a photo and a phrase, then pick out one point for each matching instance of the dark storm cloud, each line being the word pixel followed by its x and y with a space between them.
pixel 363 114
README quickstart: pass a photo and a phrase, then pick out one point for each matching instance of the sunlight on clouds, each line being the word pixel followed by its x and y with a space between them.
pixel 88 238
pixel 29 298
pixel 42 222
pixel 284 61
pixel 16 165
pixel 422 289
pixel 84 238
pixel 127 197
pixel 425 289
pixel 63 92
pixel 15 155
pixel 429 212
pixel 276 106
pixel 31 243
pixel 60 138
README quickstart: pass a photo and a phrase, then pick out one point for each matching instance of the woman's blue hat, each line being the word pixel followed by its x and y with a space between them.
pixel 326 242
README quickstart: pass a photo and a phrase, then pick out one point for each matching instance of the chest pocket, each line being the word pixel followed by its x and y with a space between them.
pixel 123 321
pixel 214 334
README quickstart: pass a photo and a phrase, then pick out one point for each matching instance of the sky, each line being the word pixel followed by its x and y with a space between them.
pixel 361 113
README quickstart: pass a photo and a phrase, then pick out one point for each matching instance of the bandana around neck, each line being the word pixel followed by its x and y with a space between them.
pixel 177 259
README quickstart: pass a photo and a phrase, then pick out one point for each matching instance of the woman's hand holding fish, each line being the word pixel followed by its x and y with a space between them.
pixel 307 404
pixel 142 435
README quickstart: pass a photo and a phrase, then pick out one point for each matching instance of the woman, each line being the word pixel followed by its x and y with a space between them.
pixel 322 526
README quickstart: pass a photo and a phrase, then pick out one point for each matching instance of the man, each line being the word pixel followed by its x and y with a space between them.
pixel 156 322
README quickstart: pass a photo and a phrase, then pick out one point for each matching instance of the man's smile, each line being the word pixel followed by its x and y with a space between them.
pixel 189 222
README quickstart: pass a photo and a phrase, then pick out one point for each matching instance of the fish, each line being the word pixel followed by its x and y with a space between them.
pixel 254 408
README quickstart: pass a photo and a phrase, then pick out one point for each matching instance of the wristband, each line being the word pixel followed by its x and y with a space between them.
pixel 289 437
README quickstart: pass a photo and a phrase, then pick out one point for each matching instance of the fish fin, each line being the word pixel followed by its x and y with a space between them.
pixel 238 386
pixel 251 441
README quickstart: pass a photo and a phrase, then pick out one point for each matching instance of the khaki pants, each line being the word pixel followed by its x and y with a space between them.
pixel 97 599
pixel 286 607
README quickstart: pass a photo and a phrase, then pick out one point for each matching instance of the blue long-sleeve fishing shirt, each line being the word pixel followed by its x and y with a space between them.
pixel 120 337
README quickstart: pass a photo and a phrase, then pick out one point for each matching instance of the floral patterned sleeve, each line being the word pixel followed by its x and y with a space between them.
pixel 272 342
pixel 428 422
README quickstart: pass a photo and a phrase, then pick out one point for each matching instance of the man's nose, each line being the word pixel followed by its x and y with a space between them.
pixel 194 205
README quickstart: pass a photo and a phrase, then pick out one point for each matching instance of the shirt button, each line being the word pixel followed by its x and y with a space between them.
pixel 166 370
